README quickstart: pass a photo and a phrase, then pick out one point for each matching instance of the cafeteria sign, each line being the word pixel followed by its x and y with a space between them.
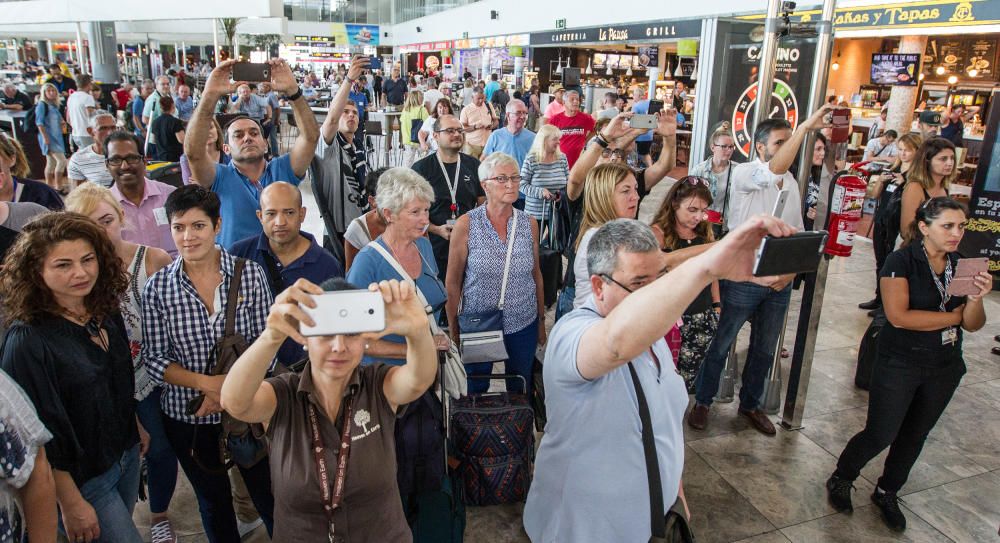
pixel 908 15
pixel 618 33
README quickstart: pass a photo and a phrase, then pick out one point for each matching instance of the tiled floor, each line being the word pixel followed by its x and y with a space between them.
pixel 747 487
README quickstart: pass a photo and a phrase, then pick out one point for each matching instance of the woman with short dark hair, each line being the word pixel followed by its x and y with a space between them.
pixel 60 287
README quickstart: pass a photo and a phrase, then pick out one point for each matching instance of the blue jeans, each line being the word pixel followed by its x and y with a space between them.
pixel 765 308
pixel 564 303
pixel 161 462
pixel 520 347
pixel 113 494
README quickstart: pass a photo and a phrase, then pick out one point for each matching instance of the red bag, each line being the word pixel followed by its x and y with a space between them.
pixel 673 338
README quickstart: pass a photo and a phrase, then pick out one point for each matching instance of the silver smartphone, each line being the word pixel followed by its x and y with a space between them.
pixel 779 204
pixel 642 120
pixel 345 312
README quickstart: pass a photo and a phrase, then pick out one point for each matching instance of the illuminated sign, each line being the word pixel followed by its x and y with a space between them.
pixel 645 32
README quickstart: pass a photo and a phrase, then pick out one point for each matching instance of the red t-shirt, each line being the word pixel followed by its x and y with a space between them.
pixel 574 133
pixel 121 97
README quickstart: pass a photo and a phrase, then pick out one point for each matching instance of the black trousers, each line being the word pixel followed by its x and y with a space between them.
pixel 883 242
pixel 904 404
pixel 211 486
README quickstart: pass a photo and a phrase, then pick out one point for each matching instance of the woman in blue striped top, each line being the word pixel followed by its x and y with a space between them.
pixel 544 172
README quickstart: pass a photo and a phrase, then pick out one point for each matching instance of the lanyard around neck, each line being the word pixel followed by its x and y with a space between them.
pixel 452 183
pixel 332 497
pixel 941 287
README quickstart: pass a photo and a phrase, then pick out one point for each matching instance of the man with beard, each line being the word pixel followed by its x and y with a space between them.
pixel 340 167
pixel 239 183
pixel 756 186
pixel 454 176
pixel 142 199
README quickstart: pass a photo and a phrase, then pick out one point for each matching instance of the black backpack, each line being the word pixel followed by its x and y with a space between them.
pixel 868 351
pixel 30 123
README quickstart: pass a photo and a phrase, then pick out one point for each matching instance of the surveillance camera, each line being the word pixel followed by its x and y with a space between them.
pixel 419 29
pixel 788 6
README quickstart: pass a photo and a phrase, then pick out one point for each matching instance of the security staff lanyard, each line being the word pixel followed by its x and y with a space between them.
pixel 332 498
pixel 949 335
pixel 452 183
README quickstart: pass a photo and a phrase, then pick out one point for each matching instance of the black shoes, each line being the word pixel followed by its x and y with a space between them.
pixel 870 304
pixel 888 502
pixel 838 491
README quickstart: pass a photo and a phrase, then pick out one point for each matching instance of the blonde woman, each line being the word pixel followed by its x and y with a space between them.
pixel 50 138
pixel 140 263
pixel 933 171
pixel 611 192
pixel 544 173
pixel 413 112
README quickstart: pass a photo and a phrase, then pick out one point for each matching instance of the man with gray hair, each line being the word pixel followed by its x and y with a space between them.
pixel 574 126
pixel 14 99
pixel 478 120
pixel 151 110
pixel 88 164
pixel 606 368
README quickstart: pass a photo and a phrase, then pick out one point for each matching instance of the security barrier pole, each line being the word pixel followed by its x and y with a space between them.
pixel 771 402
pixel 814 285
pixel 765 74
pixel 727 386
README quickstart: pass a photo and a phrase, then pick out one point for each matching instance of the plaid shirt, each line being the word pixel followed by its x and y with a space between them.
pixel 177 328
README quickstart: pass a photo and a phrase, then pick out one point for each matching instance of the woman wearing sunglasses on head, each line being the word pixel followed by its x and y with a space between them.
pixel 919 362
pixel 682 223
pixel 718 169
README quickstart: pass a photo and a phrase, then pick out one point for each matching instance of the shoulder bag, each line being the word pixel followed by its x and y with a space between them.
pixel 672 527
pixel 240 442
pixel 456 384
pixel 481 334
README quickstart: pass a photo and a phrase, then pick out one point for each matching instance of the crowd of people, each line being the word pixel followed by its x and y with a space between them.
pixel 145 320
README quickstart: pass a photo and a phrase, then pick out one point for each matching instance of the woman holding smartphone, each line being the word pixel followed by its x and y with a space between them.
pixel 919 362
pixel 334 400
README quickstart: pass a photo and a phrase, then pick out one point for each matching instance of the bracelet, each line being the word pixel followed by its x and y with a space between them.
pixel 296 96
pixel 601 141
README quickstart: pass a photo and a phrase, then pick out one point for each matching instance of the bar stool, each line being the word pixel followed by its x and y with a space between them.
pixel 291 132
pixel 376 153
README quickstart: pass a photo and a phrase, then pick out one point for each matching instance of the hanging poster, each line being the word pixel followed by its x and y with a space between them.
pixel 982 234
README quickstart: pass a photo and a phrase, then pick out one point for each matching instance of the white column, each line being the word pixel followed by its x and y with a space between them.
pixel 236 46
pixel 52 56
pixel 79 49
pixel 902 100
pixel 183 57
pixel 215 40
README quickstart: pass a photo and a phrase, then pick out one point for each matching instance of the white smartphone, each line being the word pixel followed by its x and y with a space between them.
pixel 642 120
pixel 345 312
pixel 779 204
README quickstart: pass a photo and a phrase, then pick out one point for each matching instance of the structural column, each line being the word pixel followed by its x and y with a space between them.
pixel 104 52
pixel 903 100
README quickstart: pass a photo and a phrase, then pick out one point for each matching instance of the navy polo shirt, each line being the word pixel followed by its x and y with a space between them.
pixel 240 197
pixel 316 265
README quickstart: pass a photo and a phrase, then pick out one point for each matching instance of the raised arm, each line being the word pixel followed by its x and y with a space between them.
pixel 616 133
pixel 666 128
pixel 789 151
pixel 330 125
pixel 283 82
pixel 628 331
pixel 196 137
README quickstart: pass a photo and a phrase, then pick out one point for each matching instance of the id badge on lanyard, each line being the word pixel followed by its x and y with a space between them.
pixel 452 185
pixel 949 336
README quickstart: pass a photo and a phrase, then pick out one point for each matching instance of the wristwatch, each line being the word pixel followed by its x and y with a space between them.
pixel 296 96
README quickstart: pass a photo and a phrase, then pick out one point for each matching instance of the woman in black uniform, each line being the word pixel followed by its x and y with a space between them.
pixel 919 362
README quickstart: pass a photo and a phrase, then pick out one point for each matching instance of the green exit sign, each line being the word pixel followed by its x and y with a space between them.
pixel 465 35
pixel 560 23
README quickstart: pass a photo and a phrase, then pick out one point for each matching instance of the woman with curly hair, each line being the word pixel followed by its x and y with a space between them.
pixel 680 223
pixel 60 287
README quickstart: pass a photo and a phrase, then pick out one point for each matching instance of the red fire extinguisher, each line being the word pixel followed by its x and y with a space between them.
pixel 846 206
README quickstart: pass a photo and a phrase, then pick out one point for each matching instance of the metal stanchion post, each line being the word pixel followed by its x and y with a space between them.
pixel 771 402
pixel 727 386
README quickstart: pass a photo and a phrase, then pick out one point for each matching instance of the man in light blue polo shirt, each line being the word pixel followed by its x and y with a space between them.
pixel 513 139
pixel 644 142
pixel 239 183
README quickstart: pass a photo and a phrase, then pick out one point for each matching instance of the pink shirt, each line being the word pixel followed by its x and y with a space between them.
pixel 473 115
pixel 554 108
pixel 147 224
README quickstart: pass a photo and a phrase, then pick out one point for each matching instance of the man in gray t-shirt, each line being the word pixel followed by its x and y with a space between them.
pixel 14 215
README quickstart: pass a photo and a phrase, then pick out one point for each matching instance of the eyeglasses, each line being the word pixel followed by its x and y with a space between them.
pixel 609 279
pixel 131 159
pixel 503 179
pixel 725 147
pixel 616 153
pixel 450 131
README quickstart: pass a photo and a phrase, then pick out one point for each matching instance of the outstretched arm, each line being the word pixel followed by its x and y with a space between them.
pixel 283 81
pixel 339 102
pixel 196 136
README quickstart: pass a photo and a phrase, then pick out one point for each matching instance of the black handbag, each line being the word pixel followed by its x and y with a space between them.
pixel 415 125
pixel 672 527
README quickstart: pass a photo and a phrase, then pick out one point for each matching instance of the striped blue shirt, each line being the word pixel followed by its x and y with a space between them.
pixel 536 176
pixel 177 328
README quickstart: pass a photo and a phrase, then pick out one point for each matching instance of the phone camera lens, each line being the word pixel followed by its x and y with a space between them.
pixel 371 311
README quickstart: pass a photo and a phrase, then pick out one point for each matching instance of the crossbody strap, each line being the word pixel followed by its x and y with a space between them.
pixel 233 296
pixel 656 510
pixel 506 264
pixel 140 256
pixel 406 277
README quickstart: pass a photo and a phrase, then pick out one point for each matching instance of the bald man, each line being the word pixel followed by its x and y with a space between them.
pixel 284 251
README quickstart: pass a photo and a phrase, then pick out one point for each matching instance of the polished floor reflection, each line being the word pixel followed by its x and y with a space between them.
pixel 747 487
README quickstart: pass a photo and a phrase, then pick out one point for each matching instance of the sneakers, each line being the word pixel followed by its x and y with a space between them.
pixel 246 527
pixel 870 304
pixel 838 492
pixel 698 418
pixel 888 502
pixel 162 532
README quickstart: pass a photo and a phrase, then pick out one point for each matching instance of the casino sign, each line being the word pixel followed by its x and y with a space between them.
pixel 784 105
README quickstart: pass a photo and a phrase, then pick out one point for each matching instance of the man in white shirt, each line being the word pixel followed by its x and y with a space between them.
pixel 431 96
pixel 756 187
pixel 89 163
pixel 881 148
pixel 80 106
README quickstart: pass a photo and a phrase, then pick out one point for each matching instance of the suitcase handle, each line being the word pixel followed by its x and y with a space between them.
pixel 496 376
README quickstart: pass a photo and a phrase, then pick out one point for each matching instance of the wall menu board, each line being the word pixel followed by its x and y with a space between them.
pixel 959 56
pixel 982 234
pixel 894 69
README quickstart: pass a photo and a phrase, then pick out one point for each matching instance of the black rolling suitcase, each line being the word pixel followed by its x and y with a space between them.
pixel 493 437
pixel 868 351
pixel 550 262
